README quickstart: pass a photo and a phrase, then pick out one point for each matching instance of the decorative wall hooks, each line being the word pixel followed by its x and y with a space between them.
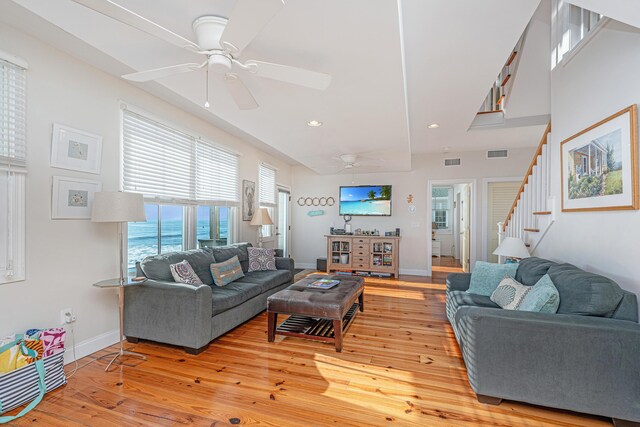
pixel 316 201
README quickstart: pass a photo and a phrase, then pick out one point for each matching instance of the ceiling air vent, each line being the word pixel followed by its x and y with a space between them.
pixel 452 162
pixel 497 154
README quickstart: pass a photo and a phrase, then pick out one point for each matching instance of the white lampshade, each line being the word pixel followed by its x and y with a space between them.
pixel 118 206
pixel 261 217
pixel 512 247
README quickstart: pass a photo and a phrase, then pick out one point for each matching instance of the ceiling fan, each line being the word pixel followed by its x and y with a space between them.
pixel 350 161
pixel 221 41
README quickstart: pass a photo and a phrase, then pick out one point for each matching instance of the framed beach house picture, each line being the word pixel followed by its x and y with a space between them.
pixel 600 165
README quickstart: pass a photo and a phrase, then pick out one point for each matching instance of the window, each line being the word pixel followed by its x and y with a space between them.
pixel 441 207
pixel 12 169
pixel 570 25
pixel 267 195
pixel 213 225
pixel 191 188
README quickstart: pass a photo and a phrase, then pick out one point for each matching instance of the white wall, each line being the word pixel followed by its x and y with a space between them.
pixel 599 81
pixel 65 257
pixel 308 232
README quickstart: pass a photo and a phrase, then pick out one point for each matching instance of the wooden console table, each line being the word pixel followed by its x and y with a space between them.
pixel 373 254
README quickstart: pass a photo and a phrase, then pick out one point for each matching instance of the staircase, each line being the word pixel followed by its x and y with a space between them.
pixel 532 212
pixel 491 112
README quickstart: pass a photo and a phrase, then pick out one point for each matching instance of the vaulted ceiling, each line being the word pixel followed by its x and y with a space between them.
pixel 396 67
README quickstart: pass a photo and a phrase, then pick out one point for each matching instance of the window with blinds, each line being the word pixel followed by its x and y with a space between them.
pixel 13 113
pixel 168 164
pixel 13 100
pixel 267 182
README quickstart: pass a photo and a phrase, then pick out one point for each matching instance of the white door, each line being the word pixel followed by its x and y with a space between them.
pixel 283 226
pixel 500 197
pixel 465 229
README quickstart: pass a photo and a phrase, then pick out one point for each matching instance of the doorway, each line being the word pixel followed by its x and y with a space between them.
pixel 283 225
pixel 451 226
pixel 498 197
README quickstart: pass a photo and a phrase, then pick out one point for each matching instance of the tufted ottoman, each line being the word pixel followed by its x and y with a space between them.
pixel 316 314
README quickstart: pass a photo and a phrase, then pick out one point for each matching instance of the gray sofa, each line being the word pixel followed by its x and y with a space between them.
pixel 191 316
pixel 584 358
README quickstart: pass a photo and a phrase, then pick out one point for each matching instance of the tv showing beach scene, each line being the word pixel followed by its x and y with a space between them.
pixel 374 200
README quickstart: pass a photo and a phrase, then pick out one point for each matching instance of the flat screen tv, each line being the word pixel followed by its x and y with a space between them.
pixel 369 200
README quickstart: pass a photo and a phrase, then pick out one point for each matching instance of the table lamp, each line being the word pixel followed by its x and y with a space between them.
pixel 121 208
pixel 261 217
pixel 512 247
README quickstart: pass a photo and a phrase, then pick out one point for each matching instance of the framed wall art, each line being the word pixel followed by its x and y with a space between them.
pixel 75 149
pixel 72 198
pixel 248 199
pixel 599 165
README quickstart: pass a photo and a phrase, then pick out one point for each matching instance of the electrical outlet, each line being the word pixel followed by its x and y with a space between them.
pixel 67 316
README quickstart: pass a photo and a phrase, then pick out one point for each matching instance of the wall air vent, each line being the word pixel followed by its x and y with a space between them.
pixel 452 162
pixel 497 154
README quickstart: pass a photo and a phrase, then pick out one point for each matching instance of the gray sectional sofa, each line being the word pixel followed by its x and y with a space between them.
pixel 191 316
pixel 584 358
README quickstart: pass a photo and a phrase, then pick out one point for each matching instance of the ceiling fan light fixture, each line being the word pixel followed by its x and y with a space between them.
pixel 433 126
pixel 314 123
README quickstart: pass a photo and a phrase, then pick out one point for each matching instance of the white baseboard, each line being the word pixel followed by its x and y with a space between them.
pixel 414 272
pixel 90 345
pixel 305 265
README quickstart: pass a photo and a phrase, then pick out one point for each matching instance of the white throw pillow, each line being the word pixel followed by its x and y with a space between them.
pixel 510 293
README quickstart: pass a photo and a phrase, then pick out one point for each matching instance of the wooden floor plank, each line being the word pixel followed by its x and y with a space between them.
pixel 400 365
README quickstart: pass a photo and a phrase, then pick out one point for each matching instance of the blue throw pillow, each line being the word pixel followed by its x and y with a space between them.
pixel 486 277
pixel 543 297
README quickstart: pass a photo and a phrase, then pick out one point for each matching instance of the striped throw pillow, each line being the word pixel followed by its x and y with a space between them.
pixel 227 271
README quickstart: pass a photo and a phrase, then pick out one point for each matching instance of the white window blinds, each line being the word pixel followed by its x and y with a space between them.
pixel 267 181
pixel 13 112
pixel 161 162
pixel 13 100
pixel 216 174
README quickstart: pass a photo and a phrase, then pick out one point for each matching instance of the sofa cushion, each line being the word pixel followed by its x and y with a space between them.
pixel 226 297
pixel 584 293
pixel 223 253
pixel 542 297
pixel 261 259
pixel 182 272
pixel 510 293
pixel 486 277
pixel 226 272
pixel 457 299
pixel 267 279
pixel 156 267
pixel 530 270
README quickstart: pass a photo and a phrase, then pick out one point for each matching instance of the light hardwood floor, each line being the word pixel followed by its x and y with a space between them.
pixel 400 366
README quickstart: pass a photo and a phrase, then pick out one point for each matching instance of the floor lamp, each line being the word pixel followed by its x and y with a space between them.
pixel 121 208
pixel 261 217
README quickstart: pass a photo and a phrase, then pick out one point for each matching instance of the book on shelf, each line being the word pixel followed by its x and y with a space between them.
pixel 323 284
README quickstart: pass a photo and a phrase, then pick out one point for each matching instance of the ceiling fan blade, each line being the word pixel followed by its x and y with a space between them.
pixel 247 19
pixel 285 73
pixel 124 15
pixel 239 92
pixel 158 73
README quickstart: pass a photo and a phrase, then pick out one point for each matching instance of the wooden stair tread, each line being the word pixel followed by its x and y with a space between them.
pixel 533 230
pixel 490 112
pixel 505 80
pixel 511 58
pixel 542 213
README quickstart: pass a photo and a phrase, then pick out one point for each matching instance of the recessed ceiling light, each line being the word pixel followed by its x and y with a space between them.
pixel 314 123
pixel 433 126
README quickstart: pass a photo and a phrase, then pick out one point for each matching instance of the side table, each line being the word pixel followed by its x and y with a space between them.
pixel 115 283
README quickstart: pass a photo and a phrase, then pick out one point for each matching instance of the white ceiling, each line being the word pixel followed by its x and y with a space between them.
pixel 379 101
